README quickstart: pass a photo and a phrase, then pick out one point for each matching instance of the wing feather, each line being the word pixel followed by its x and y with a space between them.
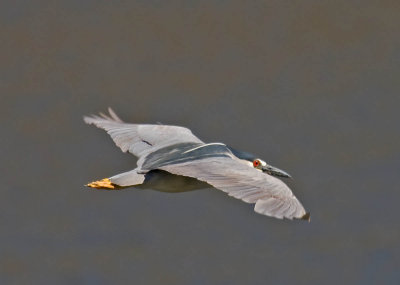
pixel 271 196
pixel 140 139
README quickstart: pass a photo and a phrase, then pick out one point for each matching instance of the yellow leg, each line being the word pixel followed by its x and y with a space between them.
pixel 103 184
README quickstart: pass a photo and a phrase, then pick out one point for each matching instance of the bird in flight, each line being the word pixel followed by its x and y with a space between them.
pixel 173 159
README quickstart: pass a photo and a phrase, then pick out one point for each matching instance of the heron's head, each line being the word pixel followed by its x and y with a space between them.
pixel 271 170
pixel 258 163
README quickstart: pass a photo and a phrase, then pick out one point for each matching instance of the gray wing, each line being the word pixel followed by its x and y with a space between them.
pixel 271 196
pixel 139 139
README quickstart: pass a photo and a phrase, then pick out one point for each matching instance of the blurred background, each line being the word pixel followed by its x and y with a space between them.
pixel 311 87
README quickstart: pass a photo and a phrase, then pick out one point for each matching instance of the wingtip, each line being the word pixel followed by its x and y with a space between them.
pixel 87 119
pixel 306 217
pixel 111 116
pixel 114 115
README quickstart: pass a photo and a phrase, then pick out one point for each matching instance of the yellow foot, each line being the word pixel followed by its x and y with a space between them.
pixel 103 184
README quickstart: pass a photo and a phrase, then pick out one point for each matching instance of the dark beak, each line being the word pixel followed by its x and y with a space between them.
pixel 275 171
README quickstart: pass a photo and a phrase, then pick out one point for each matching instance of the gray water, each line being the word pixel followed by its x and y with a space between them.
pixel 312 87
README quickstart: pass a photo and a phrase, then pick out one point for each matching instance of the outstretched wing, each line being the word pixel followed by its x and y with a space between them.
pixel 271 196
pixel 138 139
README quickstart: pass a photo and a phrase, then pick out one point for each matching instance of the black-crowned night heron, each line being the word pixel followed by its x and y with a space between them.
pixel 172 159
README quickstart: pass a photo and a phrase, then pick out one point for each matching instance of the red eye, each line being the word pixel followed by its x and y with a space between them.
pixel 256 163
